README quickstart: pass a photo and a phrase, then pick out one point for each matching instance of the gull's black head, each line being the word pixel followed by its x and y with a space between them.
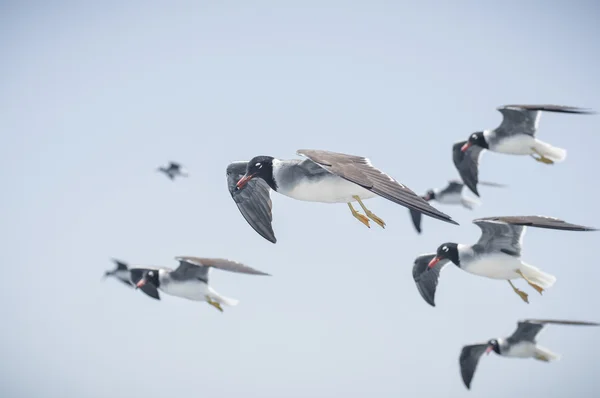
pixel 259 167
pixel 446 251
pixel 493 345
pixel 476 139
pixel 430 195
pixel 151 277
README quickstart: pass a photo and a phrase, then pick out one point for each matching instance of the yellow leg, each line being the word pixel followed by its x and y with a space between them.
pixel 533 285
pixel 541 157
pixel 369 214
pixel 521 293
pixel 359 216
pixel 214 304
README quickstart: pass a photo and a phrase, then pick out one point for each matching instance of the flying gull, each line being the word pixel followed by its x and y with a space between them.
pixel 497 255
pixel 326 177
pixel 451 194
pixel 514 136
pixel 173 170
pixel 190 279
pixel 521 344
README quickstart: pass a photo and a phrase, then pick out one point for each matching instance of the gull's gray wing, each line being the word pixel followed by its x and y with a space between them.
pixel 497 235
pixel 528 329
pixel 524 119
pixel 198 267
pixel 427 278
pixel 469 358
pixel 149 289
pixel 540 222
pixel 253 200
pixel 467 164
pixel 360 171
pixel 416 219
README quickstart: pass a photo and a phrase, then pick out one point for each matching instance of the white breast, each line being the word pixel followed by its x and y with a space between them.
pixel 450 199
pixel 494 266
pixel 191 290
pixel 524 349
pixel 332 189
pixel 520 144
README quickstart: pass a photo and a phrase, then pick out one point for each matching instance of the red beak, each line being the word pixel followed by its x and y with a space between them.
pixel 434 261
pixel 244 180
pixel 489 349
pixel 466 146
pixel 141 283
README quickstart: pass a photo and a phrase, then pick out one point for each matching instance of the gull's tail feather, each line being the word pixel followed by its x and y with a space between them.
pixel 535 275
pixel 545 355
pixel 469 203
pixel 551 152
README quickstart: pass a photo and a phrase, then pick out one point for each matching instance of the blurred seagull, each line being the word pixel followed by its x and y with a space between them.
pixel 122 273
pixel 521 344
pixel 173 170
pixel 190 279
pixel 514 136
pixel 497 255
pixel 326 177
pixel 451 194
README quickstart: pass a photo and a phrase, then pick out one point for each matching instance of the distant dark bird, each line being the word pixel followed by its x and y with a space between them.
pixel 497 255
pixel 190 279
pixel 521 344
pixel 326 177
pixel 122 273
pixel 173 170
pixel 514 136
pixel 452 194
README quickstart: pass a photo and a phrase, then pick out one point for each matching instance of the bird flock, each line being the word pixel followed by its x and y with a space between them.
pixel 330 177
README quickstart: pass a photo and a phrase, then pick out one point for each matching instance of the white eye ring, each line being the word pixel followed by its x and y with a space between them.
pixel 150 273
pixel 445 248
pixel 257 164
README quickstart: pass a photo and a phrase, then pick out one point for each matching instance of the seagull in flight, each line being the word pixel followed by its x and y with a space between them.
pixel 325 177
pixel 173 170
pixel 514 136
pixel 451 194
pixel 190 279
pixel 521 344
pixel 496 255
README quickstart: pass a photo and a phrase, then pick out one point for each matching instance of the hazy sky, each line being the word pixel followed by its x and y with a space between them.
pixel 94 97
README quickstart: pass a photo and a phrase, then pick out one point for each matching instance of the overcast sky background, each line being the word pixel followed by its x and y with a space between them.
pixel 94 97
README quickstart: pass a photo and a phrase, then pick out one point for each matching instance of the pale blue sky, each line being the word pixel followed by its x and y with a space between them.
pixel 94 97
